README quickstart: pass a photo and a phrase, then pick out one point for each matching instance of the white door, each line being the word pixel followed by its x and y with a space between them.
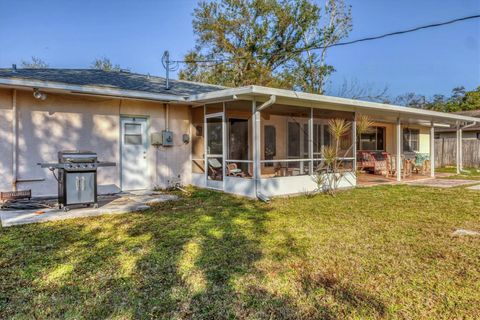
pixel 134 153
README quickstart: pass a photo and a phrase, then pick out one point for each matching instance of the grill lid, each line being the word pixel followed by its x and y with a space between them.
pixel 77 156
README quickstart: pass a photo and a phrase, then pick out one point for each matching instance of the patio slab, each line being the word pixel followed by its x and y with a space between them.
pixel 116 204
pixel 442 183
pixel 477 188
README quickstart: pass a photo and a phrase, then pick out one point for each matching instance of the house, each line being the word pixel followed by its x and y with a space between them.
pixel 249 141
pixel 470 133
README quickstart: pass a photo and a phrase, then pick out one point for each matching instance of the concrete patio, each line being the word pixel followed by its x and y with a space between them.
pixel 113 204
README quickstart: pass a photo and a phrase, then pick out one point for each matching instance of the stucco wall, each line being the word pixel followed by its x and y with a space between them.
pixel 6 139
pixel 80 122
pixel 391 137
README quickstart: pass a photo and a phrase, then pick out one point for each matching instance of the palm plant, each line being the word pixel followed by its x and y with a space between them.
pixel 330 173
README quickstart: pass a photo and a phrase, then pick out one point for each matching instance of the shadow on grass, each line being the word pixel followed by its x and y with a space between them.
pixel 184 259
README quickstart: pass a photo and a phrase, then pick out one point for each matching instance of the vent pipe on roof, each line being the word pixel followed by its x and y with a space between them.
pixel 166 65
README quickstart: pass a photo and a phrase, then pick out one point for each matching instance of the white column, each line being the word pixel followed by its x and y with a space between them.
pixel 457 132
pixel 460 149
pixel 354 141
pixel 205 146
pixel 399 150
pixel 310 142
pixel 224 147
pixel 432 150
pixel 256 146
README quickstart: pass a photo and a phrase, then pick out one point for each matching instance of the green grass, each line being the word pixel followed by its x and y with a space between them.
pixel 467 173
pixel 381 252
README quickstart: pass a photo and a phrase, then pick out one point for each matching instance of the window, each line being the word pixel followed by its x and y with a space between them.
pixel 478 135
pixel 270 144
pixel 410 140
pixel 373 140
pixel 133 134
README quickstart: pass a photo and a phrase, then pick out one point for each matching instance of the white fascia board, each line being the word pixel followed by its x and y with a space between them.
pixel 359 104
pixel 94 90
pixel 220 94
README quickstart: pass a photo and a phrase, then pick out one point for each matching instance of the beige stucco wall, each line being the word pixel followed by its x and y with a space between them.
pixel 391 137
pixel 80 122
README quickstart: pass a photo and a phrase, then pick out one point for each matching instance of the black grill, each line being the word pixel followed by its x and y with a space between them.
pixel 77 177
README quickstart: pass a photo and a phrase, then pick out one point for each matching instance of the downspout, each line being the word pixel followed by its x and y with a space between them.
pixel 267 103
pixel 167 107
pixel 256 160
pixel 14 140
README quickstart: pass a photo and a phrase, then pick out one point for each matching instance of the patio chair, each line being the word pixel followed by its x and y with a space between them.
pixel 365 161
pixel 420 163
pixel 215 169
pixel 391 165
pixel 234 171
pixel 407 167
pixel 380 163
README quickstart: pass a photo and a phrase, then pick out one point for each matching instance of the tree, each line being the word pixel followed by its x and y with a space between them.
pixel 266 42
pixel 105 64
pixel 353 89
pixel 459 100
pixel 35 63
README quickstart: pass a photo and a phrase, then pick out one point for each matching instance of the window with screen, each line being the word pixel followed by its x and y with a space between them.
pixel 133 134
pixel 372 140
pixel 270 144
pixel 411 140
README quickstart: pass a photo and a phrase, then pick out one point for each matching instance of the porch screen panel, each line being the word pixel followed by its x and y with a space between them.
pixel 284 141
pixel 197 133
pixel 323 137
pixel 239 138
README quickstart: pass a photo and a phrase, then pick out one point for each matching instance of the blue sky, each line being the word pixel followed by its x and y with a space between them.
pixel 134 34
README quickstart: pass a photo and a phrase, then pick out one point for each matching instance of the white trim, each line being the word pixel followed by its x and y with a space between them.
pixel 399 150
pixel 432 150
pixel 343 102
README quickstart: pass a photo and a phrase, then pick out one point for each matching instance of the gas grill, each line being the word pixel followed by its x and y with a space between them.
pixel 77 177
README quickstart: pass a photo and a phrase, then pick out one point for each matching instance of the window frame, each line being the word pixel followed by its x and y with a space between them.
pixel 409 133
pixel 384 133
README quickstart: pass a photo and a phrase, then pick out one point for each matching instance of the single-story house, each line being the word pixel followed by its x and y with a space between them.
pixel 250 140
pixel 470 133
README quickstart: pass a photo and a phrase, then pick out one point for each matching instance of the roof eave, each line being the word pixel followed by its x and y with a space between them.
pixel 359 105
pixel 91 90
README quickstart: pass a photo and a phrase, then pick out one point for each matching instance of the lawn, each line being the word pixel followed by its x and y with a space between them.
pixel 467 173
pixel 380 252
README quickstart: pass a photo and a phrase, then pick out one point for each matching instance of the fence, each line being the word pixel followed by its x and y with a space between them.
pixel 446 152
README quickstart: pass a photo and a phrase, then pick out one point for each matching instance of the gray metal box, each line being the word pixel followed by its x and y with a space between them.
pixel 167 137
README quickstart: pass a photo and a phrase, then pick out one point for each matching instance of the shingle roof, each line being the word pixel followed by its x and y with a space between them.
pixel 111 79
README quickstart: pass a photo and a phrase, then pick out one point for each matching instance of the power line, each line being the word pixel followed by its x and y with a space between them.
pixel 390 34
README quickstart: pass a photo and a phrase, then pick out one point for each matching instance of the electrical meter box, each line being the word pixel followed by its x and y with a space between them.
pixel 156 139
pixel 167 137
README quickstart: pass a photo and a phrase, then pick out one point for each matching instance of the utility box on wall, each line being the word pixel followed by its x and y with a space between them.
pixel 164 138
pixel 167 137
pixel 156 139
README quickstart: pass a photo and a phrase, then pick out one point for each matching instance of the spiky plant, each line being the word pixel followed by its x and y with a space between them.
pixel 364 123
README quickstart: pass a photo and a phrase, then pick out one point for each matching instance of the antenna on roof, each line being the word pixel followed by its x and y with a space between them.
pixel 167 64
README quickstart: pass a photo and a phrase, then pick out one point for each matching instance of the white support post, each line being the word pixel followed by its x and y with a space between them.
pixel 224 147
pixel 310 142
pixel 457 158
pixel 205 146
pixel 432 150
pixel 256 146
pixel 399 150
pixel 354 141
pixel 460 149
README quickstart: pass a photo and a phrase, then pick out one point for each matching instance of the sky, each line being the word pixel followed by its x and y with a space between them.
pixel 134 34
